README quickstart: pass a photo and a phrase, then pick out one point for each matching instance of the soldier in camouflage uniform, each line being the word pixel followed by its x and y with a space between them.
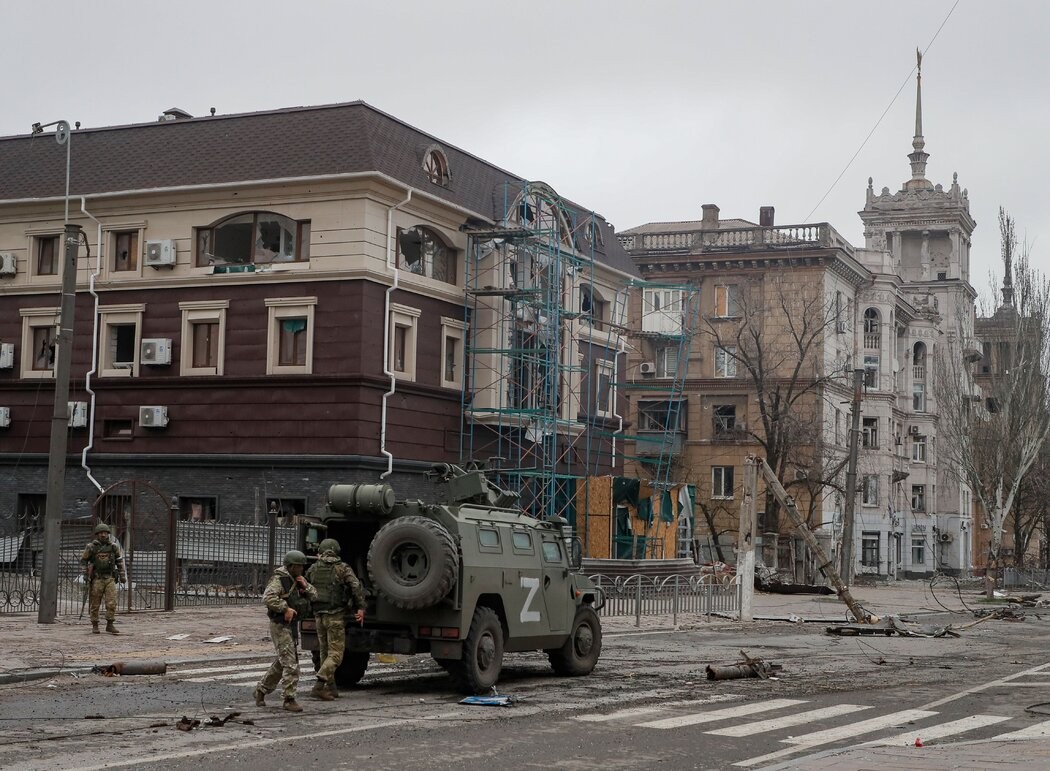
pixel 103 568
pixel 287 597
pixel 338 591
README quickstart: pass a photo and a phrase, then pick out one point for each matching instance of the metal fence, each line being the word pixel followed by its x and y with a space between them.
pixel 641 596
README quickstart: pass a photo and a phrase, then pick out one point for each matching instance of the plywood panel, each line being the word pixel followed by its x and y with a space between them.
pixel 594 516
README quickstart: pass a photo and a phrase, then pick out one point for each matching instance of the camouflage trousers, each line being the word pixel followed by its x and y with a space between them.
pixel 103 588
pixel 331 635
pixel 285 668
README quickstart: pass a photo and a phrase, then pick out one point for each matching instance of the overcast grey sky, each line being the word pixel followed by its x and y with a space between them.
pixel 641 111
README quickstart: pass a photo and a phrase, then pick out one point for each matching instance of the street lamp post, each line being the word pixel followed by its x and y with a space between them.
pixel 56 468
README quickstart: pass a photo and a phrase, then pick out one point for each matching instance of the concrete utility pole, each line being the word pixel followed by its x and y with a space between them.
pixel 745 549
pixel 846 569
pixel 56 462
pixel 56 468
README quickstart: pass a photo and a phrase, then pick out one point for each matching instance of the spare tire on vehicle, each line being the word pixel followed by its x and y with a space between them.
pixel 413 562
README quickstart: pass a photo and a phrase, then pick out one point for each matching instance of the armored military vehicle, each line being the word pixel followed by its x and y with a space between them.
pixel 465 580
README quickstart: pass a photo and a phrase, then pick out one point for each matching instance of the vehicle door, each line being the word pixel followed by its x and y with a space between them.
pixel 560 607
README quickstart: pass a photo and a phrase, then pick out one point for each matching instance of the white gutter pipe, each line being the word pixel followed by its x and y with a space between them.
pixel 391 264
pixel 94 346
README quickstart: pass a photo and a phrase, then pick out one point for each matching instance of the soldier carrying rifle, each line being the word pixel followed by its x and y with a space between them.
pixel 103 569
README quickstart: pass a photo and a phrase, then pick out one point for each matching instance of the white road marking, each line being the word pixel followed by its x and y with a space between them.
pixel 629 713
pixel 1026 685
pixel 1037 731
pixel 256 673
pixel 721 714
pixel 749 729
pixel 939 731
pixel 809 741
pixel 984 686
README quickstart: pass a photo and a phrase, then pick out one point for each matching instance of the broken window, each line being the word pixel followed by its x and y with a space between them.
pixel 198 508
pixel 125 250
pixel 292 340
pixel 421 251
pixel 435 166
pixel 870 490
pixel 725 361
pixel 725 419
pixel 918 497
pixel 727 300
pixel 253 238
pixel 661 416
pixel 44 348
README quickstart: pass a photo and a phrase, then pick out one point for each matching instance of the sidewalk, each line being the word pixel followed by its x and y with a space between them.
pixel 34 650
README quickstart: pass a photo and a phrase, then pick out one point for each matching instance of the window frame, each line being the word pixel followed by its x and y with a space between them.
pixel 110 317
pixel 604 368
pixel 32 320
pixel 664 355
pixel 648 416
pixel 719 476
pixel 455 329
pixel 725 361
pixel 113 235
pixel 918 498
pixel 723 424
pixel 867 538
pixel 201 260
pixel 279 309
pixel 872 365
pixel 185 505
pixel 37 244
pixel 918 550
pixel 869 492
pixel 426 258
pixel 918 448
pixel 870 433
pixel 202 311
pixel 727 301
pixel 405 317
pixel 436 168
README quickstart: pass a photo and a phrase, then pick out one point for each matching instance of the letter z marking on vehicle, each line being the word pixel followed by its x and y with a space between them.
pixel 533 585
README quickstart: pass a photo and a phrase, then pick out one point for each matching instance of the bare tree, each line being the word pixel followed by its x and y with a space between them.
pixel 778 346
pixel 991 440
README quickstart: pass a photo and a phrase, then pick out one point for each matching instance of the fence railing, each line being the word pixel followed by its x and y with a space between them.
pixel 642 596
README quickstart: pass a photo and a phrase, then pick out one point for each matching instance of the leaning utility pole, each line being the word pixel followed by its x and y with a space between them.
pixel 56 469
pixel 846 569
pixel 745 549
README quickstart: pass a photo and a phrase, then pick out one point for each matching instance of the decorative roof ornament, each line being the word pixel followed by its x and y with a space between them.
pixel 918 156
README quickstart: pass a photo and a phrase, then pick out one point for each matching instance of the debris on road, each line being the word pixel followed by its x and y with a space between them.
pixel 132 668
pixel 182 636
pixel 187 724
pixel 749 667
pixel 488 701
pixel 220 639
pixel 889 626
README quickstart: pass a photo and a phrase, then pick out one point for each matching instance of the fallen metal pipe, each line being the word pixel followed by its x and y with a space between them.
pixel 133 668
pixel 730 672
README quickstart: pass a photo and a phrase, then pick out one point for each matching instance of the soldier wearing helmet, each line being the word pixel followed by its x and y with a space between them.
pixel 338 591
pixel 287 598
pixel 103 569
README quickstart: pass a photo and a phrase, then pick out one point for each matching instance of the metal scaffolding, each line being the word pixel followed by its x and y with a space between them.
pixel 544 350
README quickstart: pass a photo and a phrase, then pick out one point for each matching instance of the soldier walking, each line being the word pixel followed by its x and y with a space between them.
pixel 338 590
pixel 103 569
pixel 287 597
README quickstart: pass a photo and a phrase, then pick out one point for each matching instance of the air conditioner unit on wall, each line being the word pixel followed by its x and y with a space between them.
pixel 5 417
pixel 153 417
pixel 946 537
pixel 8 265
pixel 155 350
pixel 913 430
pixel 78 414
pixel 7 355
pixel 160 254
pixel 648 368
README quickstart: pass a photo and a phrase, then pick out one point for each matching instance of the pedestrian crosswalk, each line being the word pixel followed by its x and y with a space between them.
pixel 826 722
pixel 249 671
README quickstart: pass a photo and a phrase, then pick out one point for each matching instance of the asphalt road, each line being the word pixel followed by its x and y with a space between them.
pixel 648 704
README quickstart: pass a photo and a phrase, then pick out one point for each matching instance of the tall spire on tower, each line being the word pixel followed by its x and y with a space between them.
pixel 918 156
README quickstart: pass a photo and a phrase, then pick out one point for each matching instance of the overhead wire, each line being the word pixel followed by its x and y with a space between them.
pixel 878 122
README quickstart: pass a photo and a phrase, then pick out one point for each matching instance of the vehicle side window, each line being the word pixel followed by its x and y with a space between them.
pixel 522 541
pixel 551 551
pixel 488 539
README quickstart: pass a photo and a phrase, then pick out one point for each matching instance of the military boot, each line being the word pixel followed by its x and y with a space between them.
pixel 320 691
pixel 292 705
pixel 111 628
pixel 333 689
pixel 260 697
pixel 94 627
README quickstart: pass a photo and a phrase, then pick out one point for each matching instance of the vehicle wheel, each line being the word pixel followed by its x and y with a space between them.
pixel 352 669
pixel 413 562
pixel 580 652
pixel 478 669
pixel 315 656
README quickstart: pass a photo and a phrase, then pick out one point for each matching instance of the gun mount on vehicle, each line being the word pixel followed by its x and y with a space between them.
pixel 464 580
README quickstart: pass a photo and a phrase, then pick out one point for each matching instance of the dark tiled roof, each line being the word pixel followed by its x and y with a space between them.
pixel 295 142
pixel 674 227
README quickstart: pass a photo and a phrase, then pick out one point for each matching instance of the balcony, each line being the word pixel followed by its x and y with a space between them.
pixel 972 349
pixel 735 240
pixel 918 372
pixel 659 444
pixel 873 341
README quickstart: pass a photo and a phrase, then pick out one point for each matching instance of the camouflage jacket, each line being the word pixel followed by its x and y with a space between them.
pixel 106 558
pixel 344 575
pixel 276 598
